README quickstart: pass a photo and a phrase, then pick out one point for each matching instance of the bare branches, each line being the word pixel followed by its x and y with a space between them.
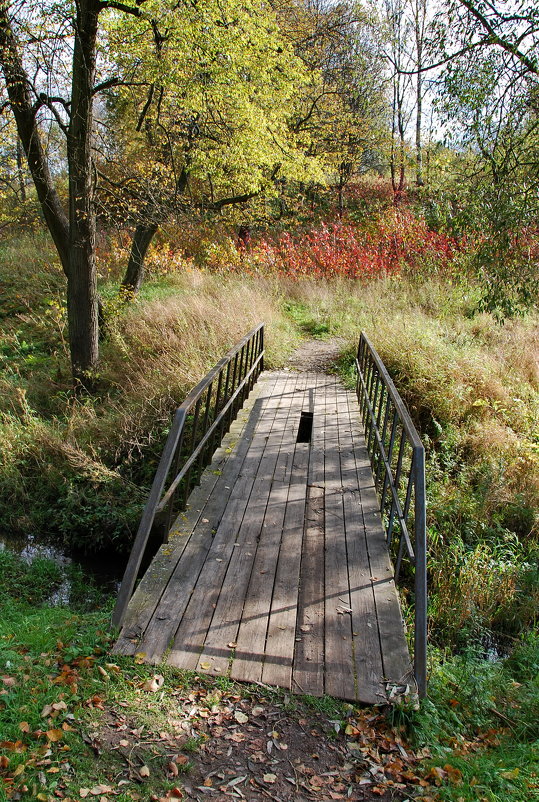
pixel 502 41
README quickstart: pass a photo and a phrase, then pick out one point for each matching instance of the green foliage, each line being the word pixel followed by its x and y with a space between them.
pixel 227 132
pixel 480 723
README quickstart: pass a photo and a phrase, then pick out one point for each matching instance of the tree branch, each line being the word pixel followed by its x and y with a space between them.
pixel 509 47
pixel 134 11
pixel 16 80
pixel 218 205
pixel 466 49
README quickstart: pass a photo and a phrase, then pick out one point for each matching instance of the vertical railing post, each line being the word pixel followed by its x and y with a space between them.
pixel 420 530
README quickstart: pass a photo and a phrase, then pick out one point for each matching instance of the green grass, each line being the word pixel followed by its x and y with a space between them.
pixel 481 724
pixel 480 721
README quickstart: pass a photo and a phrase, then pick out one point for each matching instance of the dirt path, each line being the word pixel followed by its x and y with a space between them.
pixel 253 744
pixel 316 355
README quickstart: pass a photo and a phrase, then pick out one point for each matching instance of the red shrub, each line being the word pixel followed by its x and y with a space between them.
pixel 398 242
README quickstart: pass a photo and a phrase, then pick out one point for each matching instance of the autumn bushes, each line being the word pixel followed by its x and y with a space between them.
pixel 398 243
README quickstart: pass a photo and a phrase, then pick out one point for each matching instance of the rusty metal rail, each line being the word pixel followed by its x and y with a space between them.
pixel 198 427
pixel 398 465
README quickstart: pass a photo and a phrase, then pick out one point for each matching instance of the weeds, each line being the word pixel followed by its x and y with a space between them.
pixel 480 724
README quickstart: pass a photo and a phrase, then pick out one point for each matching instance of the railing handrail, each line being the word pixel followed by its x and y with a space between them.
pixel 378 430
pixel 404 415
pixel 213 428
pixel 194 394
pixel 157 502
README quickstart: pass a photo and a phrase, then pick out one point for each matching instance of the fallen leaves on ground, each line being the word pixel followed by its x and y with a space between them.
pixel 212 744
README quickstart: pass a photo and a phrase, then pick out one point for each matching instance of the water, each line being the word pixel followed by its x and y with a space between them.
pixel 103 572
pixel 495 647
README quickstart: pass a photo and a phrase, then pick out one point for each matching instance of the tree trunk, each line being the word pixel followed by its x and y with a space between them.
pixel 20 173
pixel 418 145
pixel 340 196
pixel 25 119
pixel 420 15
pixel 134 275
pixel 393 134
pixel 82 298
pixel 74 234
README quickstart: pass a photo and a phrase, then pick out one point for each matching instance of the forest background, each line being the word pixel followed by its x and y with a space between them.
pixel 173 173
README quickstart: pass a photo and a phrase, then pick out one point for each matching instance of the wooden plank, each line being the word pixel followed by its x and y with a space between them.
pixel 317 404
pixel 395 655
pixel 227 616
pixel 367 650
pixel 339 666
pixel 280 642
pixel 308 669
pixel 251 637
pixel 261 459
pixel 208 535
pixel 367 654
pixel 207 500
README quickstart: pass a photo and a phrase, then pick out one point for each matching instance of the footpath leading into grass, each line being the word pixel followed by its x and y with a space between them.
pixel 316 355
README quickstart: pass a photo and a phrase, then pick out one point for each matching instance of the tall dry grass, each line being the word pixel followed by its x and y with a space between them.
pixel 78 468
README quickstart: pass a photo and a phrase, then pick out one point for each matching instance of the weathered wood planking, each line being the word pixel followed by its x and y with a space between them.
pixel 279 571
pixel 189 636
pixel 194 527
pixel 227 615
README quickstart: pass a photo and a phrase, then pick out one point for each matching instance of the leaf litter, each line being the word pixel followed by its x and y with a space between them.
pixel 204 742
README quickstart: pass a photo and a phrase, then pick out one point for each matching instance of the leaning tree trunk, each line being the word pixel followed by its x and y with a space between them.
pixel 82 297
pixel 22 108
pixel 134 275
pixel 142 238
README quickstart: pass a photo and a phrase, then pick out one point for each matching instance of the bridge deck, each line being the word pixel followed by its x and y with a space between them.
pixel 278 572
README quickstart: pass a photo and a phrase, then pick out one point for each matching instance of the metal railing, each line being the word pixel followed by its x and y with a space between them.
pixel 398 464
pixel 198 427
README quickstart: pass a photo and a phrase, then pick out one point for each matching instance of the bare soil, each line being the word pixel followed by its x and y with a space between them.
pixel 316 356
pixel 259 746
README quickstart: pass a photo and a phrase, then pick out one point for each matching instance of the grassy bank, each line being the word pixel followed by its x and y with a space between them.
pixel 78 723
pixel 78 469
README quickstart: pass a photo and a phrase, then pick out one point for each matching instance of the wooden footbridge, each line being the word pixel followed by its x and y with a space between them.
pixel 277 567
